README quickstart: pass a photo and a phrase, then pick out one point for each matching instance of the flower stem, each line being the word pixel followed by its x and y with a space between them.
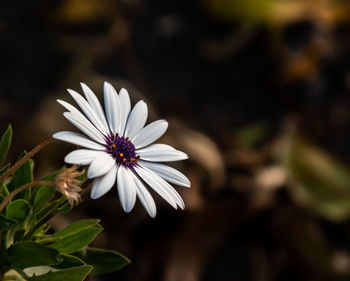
pixel 23 187
pixel 23 160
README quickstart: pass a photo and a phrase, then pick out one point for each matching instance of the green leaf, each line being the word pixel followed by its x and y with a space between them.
pixel 74 228
pixel 49 177
pixel 18 210
pixel 77 227
pixel 30 254
pixel 50 208
pixel 41 230
pixel 73 274
pixel 4 169
pixel 318 180
pixel 18 236
pixel 6 223
pixel 5 144
pixel 4 191
pixel 3 188
pixel 64 209
pixel 77 241
pixel 22 176
pixel 104 261
pixel 69 261
pixel 43 196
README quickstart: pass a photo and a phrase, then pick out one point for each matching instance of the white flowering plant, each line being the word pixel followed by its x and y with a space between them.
pixel 29 249
pixel 118 149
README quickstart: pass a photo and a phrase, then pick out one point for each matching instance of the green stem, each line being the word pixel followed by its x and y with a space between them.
pixel 23 187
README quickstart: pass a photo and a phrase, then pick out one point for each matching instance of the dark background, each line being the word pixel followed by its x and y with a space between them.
pixel 256 92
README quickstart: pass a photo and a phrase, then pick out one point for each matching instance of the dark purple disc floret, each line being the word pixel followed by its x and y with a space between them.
pixel 122 150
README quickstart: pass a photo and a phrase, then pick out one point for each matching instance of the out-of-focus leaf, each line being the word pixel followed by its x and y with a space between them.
pixel 6 223
pixel 76 241
pixel 73 274
pixel 5 144
pixel 253 10
pixel 319 180
pixel 69 261
pixel 277 12
pixel 80 11
pixel 252 135
pixel 21 176
pixel 104 261
pixel 29 254
pixel 202 150
pixel 18 210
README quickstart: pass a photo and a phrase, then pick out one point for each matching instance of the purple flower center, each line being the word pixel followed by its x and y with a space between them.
pixel 122 150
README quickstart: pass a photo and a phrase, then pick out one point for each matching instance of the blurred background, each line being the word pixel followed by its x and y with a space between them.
pixel 257 92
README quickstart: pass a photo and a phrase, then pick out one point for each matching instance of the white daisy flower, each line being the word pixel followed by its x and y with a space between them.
pixel 118 147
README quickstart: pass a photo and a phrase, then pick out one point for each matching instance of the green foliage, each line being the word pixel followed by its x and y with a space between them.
pixel 104 261
pixel 4 191
pixel 28 254
pixel 319 181
pixel 6 223
pixel 21 176
pixel 72 274
pixel 252 135
pixel 18 210
pixel 77 227
pixel 76 241
pixel 43 195
pixel 5 144
pixel 49 209
pixel 69 261
pixel 36 189
pixel 26 246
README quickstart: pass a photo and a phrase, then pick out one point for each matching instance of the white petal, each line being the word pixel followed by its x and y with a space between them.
pixel 79 116
pixel 84 125
pixel 145 197
pixel 126 188
pixel 168 173
pixel 78 139
pixel 100 165
pixel 82 156
pixel 124 109
pixel 95 104
pixel 68 106
pixel 137 119
pixel 112 105
pixel 161 153
pixel 89 112
pixel 103 184
pixel 150 133
pixel 160 186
